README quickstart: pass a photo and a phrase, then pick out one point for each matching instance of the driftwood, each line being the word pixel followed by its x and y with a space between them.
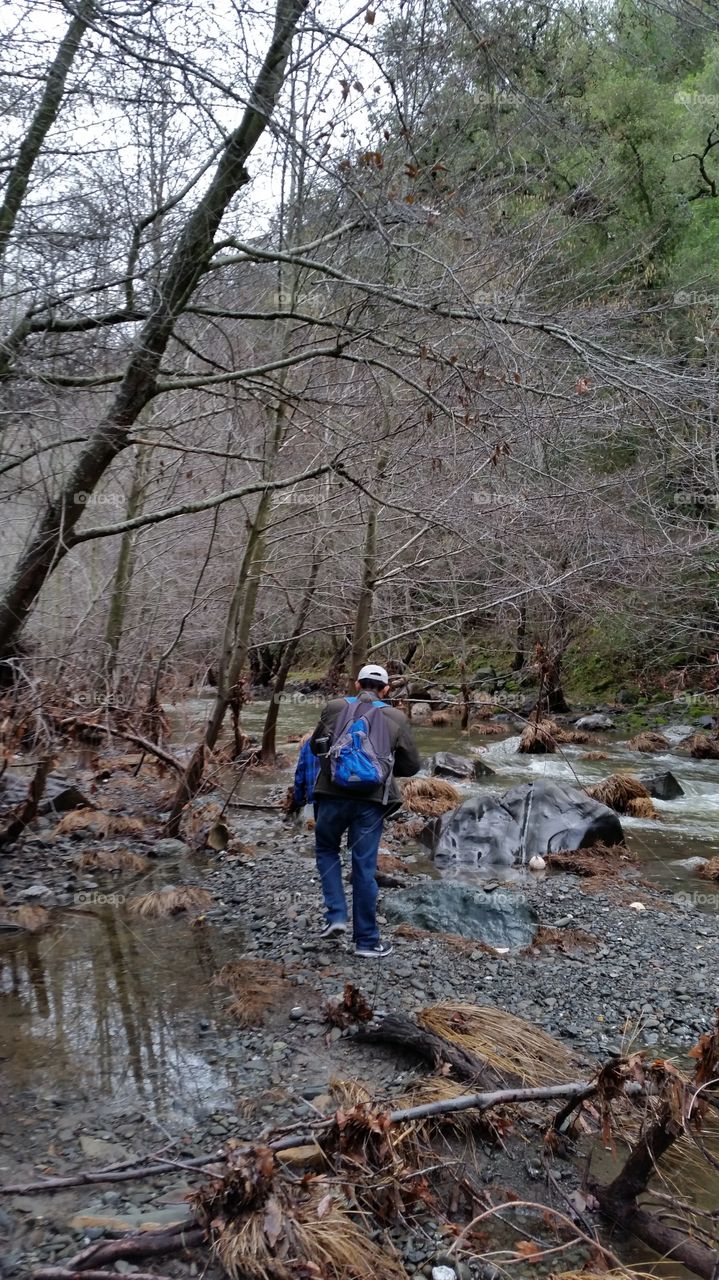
pixel 63 1273
pixel 143 743
pixel 618 1201
pixel 301 1135
pixel 139 1244
pixel 399 1029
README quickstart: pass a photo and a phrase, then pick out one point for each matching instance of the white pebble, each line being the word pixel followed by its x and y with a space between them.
pixel 444 1273
pixel 537 863
pixel 637 906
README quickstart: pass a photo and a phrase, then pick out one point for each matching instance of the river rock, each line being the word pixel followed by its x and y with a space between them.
pixel 168 848
pixel 58 796
pixel 663 786
pixel 421 713
pixel 446 765
pixel 500 918
pixel 692 865
pixel 595 721
pixel 676 733
pixel 707 722
pixel 534 818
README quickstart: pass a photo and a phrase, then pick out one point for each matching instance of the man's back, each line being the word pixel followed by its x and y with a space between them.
pixel 407 759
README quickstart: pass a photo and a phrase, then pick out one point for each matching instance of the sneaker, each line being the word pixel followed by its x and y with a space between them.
pixel 333 930
pixel 375 953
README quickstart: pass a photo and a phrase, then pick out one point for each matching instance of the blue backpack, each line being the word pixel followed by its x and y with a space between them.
pixel 361 756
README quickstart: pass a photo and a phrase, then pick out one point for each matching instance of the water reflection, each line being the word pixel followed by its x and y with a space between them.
pixel 113 1006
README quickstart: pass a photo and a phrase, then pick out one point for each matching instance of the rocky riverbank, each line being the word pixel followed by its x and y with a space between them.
pixel 120 1044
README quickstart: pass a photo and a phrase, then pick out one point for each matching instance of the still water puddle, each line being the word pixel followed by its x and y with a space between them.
pixel 109 1008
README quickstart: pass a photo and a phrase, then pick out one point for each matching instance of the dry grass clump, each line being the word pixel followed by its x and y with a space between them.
pixel 599 860
pixel 429 796
pixel 539 738
pixel 97 822
pixel 26 919
pixel 489 730
pixel 171 901
pixel 440 718
pixel 578 736
pixel 411 830
pixel 112 860
pixel 594 755
pixel 254 986
pixel 702 746
pixel 617 790
pixel 266 1226
pixel 642 807
pixel 649 741
pixel 505 1042
pixel 387 863
pixel 710 871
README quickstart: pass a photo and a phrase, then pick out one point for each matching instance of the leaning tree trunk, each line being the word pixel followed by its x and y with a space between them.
pixel 268 751
pixel 44 118
pixel 186 266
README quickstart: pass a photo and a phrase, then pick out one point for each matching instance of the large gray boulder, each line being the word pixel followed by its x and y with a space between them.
pixel 596 721
pixel 534 818
pixel 662 785
pixel 500 917
pixel 444 764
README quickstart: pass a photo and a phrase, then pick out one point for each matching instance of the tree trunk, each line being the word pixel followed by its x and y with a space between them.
pixel 363 616
pixel 123 575
pixel 233 657
pixel 519 656
pixel 268 751
pixel 187 264
pixel 42 121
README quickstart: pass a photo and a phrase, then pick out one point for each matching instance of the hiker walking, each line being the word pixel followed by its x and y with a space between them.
pixel 362 744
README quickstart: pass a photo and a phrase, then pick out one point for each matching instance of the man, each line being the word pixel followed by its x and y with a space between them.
pixel 362 744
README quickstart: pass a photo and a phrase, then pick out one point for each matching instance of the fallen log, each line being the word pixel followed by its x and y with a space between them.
pixel 480 1101
pixel 143 743
pixel 671 1244
pixel 140 1244
pixel 397 1028
pixel 62 1273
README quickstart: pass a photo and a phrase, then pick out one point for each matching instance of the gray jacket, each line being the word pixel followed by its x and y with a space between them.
pixel 407 759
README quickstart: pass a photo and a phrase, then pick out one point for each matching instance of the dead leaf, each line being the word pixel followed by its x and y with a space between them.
pixel 527 1249
pixel 369 16
pixel 272 1222
pixel 324 1205
pixel 218 837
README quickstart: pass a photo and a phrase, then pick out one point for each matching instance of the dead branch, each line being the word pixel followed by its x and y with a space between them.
pixel 63 1273
pixel 143 743
pixel 140 1244
pixel 310 1133
pixel 28 809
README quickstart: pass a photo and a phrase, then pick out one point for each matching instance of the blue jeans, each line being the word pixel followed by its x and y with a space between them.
pixel 362 820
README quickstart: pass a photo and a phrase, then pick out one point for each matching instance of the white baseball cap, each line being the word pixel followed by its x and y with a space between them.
pixel 373 673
